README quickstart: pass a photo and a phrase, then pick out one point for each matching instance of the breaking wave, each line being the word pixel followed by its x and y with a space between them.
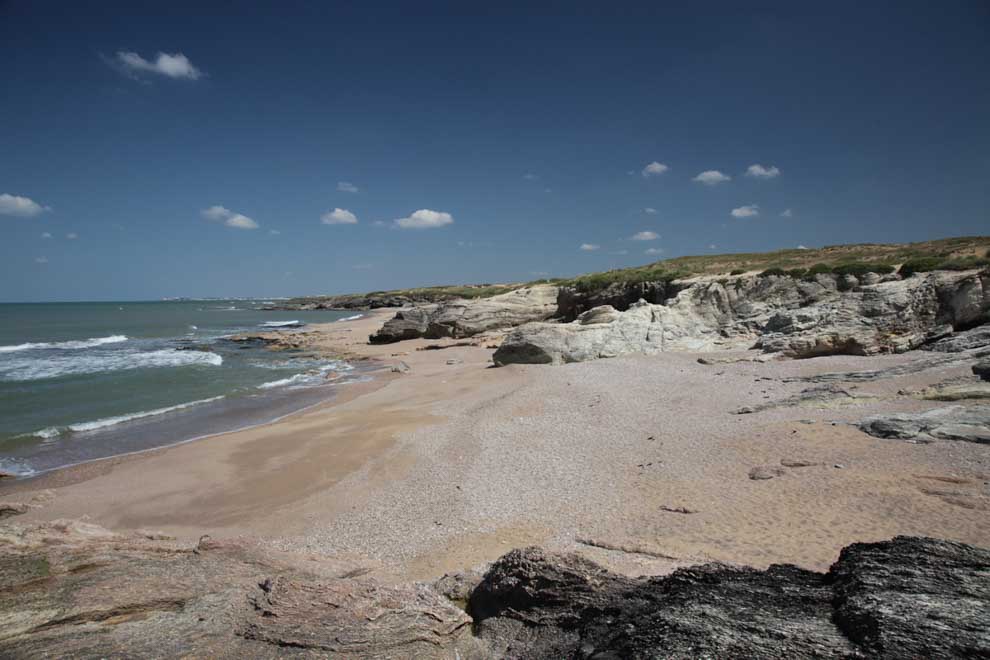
pixel 56 366
pixel 65 345
pixel 55 431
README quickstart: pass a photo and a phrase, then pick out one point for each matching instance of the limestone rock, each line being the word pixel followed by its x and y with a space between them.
pixel 406 324
pixel 466 318
pixel 967 340
pixel 780 315
pixel 889 317
pixel 970 424
pixel 72 589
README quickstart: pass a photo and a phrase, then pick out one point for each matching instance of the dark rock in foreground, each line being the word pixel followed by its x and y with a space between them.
pixel 982 369
pixel 72 589
pixel 904 598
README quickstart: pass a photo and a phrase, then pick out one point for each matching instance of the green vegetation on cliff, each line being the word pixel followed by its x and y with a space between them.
pixel 945 254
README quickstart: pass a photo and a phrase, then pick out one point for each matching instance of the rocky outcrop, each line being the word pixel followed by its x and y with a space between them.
pixel 350 302
pixel 781 315
pixel 466 318
pixel 966 340
pixel 890 317
pixel 572 301
pixel 73 589
pixel 908 597
pixel 982 369
pixel 971 424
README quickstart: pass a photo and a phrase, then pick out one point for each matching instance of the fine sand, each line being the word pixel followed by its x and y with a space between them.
pixel 636 462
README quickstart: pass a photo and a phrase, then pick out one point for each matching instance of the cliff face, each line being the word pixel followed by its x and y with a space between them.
pixel 75 589
pixel 794 318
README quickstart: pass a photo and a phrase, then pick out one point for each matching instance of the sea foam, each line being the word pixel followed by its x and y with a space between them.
pixel 56 366
pixel 65 345
pixel 54 431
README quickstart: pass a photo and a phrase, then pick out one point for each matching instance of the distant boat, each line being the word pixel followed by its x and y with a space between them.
pixel 282 324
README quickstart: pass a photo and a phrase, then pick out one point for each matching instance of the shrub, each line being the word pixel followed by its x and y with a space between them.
pixel 819 269
pixel 598 281
pixel 861 268
pixel 737 271
pixel 797 273
pixel 927 264
pixel 773 272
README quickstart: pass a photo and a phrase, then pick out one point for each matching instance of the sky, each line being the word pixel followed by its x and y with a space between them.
pixel 271 149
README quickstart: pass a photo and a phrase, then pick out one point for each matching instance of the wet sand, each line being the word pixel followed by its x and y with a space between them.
pixel 637 462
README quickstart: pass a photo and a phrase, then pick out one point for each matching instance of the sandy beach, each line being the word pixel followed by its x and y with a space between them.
pixel 637 462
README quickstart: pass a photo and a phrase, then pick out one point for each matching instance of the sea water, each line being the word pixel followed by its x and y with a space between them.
pixel 81 381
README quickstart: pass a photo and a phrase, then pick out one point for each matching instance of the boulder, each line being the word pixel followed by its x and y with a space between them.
pixel 406 324
pixel 908 597
pixel 466 318
pixel 982 369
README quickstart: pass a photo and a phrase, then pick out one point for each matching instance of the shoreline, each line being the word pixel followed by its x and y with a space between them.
pixel 39 477
pixel 635 462
pixel 335 395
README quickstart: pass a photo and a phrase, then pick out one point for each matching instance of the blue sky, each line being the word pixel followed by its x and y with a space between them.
pixel 520 133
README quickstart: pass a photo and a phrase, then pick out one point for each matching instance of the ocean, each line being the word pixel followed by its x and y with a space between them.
pixel 82 381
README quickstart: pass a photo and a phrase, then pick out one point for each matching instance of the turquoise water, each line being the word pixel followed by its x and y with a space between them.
pixel 80 381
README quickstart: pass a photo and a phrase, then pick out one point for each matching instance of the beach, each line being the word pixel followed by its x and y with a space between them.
pixel 441 462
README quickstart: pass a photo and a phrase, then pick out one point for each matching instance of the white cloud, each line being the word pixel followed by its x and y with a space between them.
pixel 802 247
pixel 654 251
pixel 229 218
pixel 654 169
pixel 529 176
pixel 620 252
pixel 649 210
pixel 339 217
pixel 41 260
pixel 46 235
pixel 712 247
pixel 216 213
pixel 747 211
pixel 274 232
pixel 712 178
pixel 425 219
pixel 172 66
pixel 72 236
pixel 24 207
pixel 589 247
pixel 238 221
pixel 645 236
pixel 786 213
pixel 761 172
pixel 344 186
